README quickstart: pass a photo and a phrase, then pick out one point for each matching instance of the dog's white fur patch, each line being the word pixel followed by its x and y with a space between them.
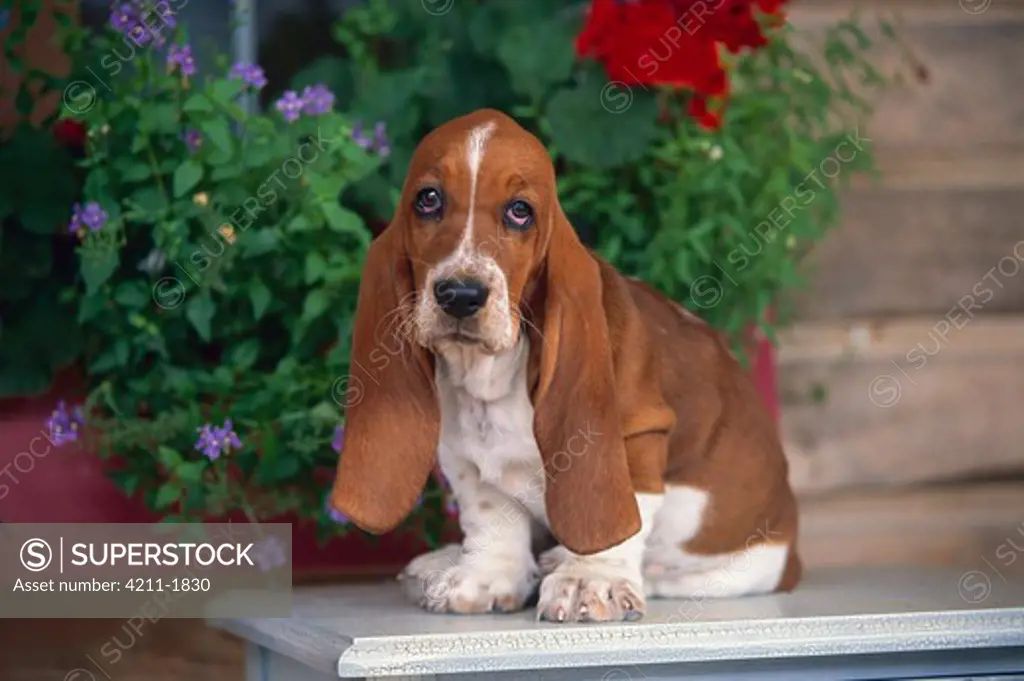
pixel 478 137
pixel 488 454
pixel 672 572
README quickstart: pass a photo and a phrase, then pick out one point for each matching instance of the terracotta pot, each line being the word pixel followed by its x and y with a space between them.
pixel 44 484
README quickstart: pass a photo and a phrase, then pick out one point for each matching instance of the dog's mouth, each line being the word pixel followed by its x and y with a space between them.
pixel 463 338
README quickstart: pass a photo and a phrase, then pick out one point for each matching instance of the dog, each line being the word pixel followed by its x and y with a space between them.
pixel 563 402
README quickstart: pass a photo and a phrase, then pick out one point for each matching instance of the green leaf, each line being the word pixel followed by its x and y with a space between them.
pixel 277 469
pixel 603 125
pixel 129 481
pixel 323 187
pixel 160 117
pixel 168 458
pixel 244 354
pixel 150 200
pixel 191 471
pixel 226 90
pixel 258 241
pixel 166 495
pixel 260 297
pixel 315 267
pixel 389 96
pixel 136 172
pixel 218 132
pixel 200 310
pixel 115 357
pixel 132 294
pixel 197 103
pixel 97 265
pixel 186 177
pixel 316 304
pixel 300 223
pixel 548 59
pixel 341 219
pixel 325 412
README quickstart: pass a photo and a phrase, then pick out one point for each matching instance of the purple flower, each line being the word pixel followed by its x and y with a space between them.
pixel 339 437
pixel 63 426
pixel 181 56
pixel 132 19
pixel 290 105
pixel 334 514
pixel 318 100
pixel 380 139
pixel 169 20
pixel 378 143
pixel 251 74
pixel 91 217
pixel 124 17
pixel 193 139
pixel 270 554
pixel 360 138
pixel 214 441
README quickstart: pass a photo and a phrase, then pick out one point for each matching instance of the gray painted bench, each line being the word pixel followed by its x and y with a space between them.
pixel 902 623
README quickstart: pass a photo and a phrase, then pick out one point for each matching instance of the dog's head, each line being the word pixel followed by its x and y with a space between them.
pixel 478 211
pixel 478 253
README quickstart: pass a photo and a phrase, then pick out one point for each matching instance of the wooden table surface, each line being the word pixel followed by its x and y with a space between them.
pixel 357 631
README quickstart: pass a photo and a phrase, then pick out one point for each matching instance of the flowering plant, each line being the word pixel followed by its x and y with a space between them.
pixel 218 273
pixel 698 147
pixel 699 144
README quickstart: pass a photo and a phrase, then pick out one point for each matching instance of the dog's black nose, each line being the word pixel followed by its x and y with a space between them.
pixel 460 298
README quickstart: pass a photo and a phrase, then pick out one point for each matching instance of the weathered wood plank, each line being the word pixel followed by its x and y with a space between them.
pixel 970 98
pixel 817 13
pixel 902 402
pixel 919 252
pixel 962 525
pixel 958 126
pixel 168 650
pixel 979 168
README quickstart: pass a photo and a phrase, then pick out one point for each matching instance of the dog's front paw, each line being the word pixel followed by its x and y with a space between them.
pixel 446 581
pixel 581 590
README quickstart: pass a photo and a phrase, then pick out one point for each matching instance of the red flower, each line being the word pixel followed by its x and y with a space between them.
pixel 698 109
pixel 673 42
pixel 69 132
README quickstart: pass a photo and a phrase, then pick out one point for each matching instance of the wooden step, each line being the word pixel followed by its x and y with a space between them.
pixel 975 527
pixel 903 401
pixel 950 145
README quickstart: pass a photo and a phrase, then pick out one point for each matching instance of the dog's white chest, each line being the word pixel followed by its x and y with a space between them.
pixel 487 421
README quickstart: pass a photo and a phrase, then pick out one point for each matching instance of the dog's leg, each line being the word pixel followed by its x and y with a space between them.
pixel 606 586
pixel 759 569
pixel 761 563
pixel 493 571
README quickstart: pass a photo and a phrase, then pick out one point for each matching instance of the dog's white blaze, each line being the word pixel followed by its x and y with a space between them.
pixel 478 137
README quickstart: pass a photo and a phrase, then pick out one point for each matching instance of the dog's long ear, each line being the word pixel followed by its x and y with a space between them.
pixel 589 498
pixel 392 417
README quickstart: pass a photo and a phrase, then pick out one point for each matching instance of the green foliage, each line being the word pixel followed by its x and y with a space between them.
pixel 37 187
pixel 223 283
pixel 716 219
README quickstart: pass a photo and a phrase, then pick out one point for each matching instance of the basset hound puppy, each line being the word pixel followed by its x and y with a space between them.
pixel 563 402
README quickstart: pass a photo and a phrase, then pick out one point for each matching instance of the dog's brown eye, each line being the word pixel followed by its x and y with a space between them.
pixel 429 203
pixel 518 214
